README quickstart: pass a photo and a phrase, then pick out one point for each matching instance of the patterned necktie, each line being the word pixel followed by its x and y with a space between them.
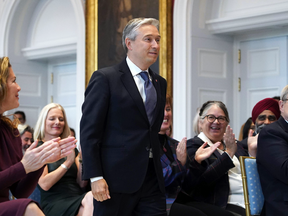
pixel 151 95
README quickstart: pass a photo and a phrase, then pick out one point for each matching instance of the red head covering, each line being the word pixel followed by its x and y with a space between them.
pixel 265 104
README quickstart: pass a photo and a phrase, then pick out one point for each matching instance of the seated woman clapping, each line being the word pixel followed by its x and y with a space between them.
pixel 19 173
pixel 60 184
pixel 177 166
pixel 219 181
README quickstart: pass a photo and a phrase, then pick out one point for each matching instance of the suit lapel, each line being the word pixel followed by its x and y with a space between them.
pixel 129 83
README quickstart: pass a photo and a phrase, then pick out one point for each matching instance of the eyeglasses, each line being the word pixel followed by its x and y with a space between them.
pixel 212 118
pixel 284 100
pixel 264 117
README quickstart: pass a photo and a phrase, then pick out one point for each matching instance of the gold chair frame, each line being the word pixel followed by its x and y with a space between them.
pixel 245 186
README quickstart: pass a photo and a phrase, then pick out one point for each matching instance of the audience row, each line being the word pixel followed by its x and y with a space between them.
pixel 202 174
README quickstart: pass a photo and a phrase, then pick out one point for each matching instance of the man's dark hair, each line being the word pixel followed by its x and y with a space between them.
pixel 27 129
pixel 21 113
pixel 276 97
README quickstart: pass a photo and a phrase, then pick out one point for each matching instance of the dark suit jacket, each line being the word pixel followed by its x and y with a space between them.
pixel 115 132
pixel 272 164
pixel 212 185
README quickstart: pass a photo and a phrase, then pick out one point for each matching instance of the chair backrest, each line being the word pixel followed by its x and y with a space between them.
pixel 253 195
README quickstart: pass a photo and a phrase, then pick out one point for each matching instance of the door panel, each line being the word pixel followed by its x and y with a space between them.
pixel 211 77
pixel 63 89
pixel 263 71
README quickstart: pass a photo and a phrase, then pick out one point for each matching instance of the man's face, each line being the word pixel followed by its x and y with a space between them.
pixel 265 118
pixel 144 51
pixel 26 140
pixel 20 117
pixel 284 109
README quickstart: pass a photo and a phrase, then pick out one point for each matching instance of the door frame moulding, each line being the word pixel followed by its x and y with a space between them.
pixel 234 25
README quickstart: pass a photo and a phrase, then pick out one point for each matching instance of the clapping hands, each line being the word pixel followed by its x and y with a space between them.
pixel 203 153
pixel 230 142
pixel 49 152
pixel 181 151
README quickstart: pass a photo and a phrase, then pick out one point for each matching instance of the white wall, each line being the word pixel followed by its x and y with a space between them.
pixel 202 65
pixel 205 31
pixel 34 33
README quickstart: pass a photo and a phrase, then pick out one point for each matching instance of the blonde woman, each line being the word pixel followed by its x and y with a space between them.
pixel 60 184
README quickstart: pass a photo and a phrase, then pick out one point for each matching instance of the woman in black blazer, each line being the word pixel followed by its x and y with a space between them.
pixel 219 182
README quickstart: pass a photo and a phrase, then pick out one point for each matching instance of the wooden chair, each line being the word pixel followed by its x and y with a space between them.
pixel 253 195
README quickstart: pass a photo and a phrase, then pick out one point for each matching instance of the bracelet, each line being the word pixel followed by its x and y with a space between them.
pixel 80 160
pixel 64 166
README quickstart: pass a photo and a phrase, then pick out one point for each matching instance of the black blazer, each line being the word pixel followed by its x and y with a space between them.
pixel 212 184
pixel 115 131
pixel 272 164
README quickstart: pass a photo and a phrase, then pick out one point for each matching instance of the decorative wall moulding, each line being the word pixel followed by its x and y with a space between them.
pixel 45 52
pixel 238 24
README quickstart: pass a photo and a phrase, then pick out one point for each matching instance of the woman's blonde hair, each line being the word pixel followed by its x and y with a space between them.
pixel 196 127
pixel 39 131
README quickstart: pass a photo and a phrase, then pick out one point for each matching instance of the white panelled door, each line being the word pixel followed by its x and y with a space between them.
pixel 212 77
pixel 263 71
pixel 63 89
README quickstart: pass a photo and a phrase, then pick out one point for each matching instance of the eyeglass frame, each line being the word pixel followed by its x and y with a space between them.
pixel 225 118
pixel 269 118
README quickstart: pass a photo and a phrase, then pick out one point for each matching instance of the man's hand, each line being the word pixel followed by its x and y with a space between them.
pixel 181 151
pixel 100 190
pixel 252 143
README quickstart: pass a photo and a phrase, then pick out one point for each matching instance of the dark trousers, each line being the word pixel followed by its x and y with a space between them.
pixel 197 209
pixel 147 201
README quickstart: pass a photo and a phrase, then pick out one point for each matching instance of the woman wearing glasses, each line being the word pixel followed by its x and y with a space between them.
pixel 220 183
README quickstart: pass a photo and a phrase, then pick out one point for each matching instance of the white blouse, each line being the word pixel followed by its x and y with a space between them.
pixel 236 195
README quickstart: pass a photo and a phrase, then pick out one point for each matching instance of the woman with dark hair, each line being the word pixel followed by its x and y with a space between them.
pixel 245 129
pixel 249 125
pixel 19 173
pixel 219 183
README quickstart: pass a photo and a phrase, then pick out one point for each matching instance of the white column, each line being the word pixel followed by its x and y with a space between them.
pixel 182 27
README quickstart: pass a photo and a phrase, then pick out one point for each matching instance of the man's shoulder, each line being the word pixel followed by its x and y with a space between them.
pixel 114 68
pixel 275 128
pixel 109 69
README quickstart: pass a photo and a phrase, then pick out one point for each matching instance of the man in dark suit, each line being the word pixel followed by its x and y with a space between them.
pixel 119 128
pixel 272 162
